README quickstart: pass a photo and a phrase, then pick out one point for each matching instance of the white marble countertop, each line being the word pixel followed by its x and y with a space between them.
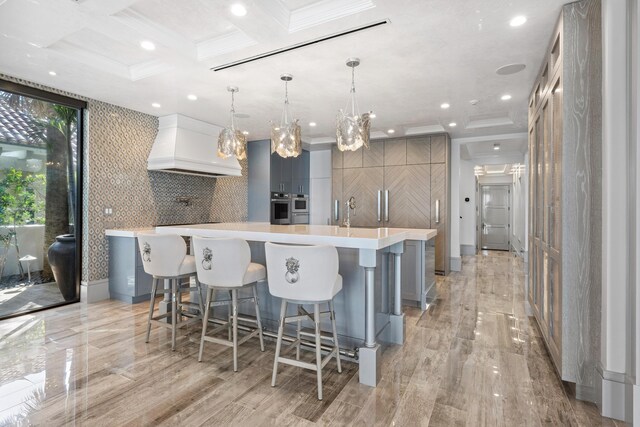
pixel 128 232
pixel 360 238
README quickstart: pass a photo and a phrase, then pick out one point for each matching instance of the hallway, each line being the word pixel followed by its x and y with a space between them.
pixel 474 358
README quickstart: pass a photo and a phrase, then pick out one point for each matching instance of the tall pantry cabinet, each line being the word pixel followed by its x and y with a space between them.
pixel 564 196
pixel 399 182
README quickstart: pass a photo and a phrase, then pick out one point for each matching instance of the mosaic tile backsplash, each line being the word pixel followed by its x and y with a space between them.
pixel 117 144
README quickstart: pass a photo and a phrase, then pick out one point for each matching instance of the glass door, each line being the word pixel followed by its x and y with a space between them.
pixel 40 199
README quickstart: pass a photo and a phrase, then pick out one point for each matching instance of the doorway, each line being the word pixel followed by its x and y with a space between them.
pixel 495 222
pixel 40 199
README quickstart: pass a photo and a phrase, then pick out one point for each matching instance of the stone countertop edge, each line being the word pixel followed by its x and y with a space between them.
pixel 128 232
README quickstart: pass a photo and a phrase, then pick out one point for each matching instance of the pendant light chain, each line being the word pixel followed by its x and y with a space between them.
pixel 233 110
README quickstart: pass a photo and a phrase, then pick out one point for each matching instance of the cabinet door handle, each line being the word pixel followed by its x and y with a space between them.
pixel 379 205
pixel 437 211
pixel 336 210
pixel 386 205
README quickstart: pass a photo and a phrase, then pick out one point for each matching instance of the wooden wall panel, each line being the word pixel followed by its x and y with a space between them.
pixel 374 156
pixel 363 184
pixel 395 152
pixel 418 151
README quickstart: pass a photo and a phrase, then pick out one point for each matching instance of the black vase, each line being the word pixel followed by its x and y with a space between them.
pixel 62 259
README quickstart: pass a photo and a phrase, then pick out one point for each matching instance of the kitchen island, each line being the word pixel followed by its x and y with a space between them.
pixel 363 309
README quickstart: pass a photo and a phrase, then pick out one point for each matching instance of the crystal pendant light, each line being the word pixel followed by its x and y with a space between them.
pixel 352 129
pixel 232 142
pixel 285 137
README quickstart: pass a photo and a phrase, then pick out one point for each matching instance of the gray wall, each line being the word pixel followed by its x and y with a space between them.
pixel 117 144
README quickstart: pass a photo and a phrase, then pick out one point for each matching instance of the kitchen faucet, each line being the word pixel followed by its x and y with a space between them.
pixel 351 204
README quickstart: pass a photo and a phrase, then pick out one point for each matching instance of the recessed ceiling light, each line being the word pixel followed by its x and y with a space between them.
pixel 372 115
pixel 245 132
pixel 147 45
pixel 238 9
pixel 192 97
pixel 496 146
pixel 452 124
pixel 156 105
pixel 444 106
pixel 474 102
pixel 505 97
pixel 52 73
pixel 312 124
pixel 390 131
pixel 518 20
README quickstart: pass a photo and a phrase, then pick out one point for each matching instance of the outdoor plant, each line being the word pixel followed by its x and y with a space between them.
pixel 20 203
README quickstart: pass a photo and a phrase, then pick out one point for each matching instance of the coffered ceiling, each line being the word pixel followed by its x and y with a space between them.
pixel 428 53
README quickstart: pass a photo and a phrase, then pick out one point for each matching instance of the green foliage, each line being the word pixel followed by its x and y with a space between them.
pixel 20 202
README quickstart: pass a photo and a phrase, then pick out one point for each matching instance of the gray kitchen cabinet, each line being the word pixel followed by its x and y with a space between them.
pixel 271 173
pixel 127 280
pixel 300 173
pixel 337 158
pixel 418 274
pixel 281 173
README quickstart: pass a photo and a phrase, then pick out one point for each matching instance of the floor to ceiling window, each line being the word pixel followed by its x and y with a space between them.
pixel 40 199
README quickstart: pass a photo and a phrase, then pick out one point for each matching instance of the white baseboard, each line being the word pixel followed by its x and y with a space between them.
pixel 636 405
pixel 616 395
pixel 467 250
pixel 455 264
pixel 94 291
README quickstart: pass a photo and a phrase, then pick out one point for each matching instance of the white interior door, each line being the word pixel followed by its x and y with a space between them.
pixel 495 217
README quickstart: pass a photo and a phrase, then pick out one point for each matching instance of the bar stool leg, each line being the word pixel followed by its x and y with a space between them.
pixel 283 312
pixel 152 303
pixel 258 320
pixel 234 302
pixel 298 337
pixel 316 316
pixel 229 317
pixel 174 314
pixel 200 301
pixel 335 335
pixel 205 321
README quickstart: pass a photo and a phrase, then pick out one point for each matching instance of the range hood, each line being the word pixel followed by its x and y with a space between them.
pixel 189 146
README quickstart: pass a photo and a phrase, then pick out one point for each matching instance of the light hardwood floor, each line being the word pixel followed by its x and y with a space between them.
pixel 474 358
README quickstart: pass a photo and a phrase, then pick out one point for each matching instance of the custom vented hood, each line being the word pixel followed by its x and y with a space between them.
pixel 189 146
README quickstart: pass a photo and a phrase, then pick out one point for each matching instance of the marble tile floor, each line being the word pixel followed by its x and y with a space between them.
pixel 19 299
pixel 474 358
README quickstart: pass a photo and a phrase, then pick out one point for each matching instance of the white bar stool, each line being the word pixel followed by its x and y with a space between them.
pixel 225 265
pixel 164 256
pixel 305 275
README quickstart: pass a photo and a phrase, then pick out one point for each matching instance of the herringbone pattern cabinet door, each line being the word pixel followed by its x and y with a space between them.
pixel 363 184
pixel 409 196
pixel 337 195
pixel 439 192
pixel 438 149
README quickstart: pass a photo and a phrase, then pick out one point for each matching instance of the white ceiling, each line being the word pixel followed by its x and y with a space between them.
pixel 433 51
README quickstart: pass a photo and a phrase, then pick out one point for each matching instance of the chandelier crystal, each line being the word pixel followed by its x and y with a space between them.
pixel 285 136
pixel 352 128
pixel 231 141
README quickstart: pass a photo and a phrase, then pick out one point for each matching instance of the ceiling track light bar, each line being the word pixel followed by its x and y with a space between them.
pixel 300 45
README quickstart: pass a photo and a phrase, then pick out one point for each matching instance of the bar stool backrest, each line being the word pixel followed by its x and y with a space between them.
pixel 162 254
pixel 221 262
pixel 303 273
